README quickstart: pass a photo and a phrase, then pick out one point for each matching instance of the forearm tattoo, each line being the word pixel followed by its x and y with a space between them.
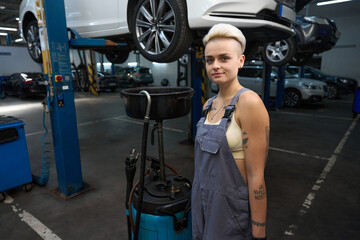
pixel 267 134
pixel 258 224
pixel 245 139
pixel 261 193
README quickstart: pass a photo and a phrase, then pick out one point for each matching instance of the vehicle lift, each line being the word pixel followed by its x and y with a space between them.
pixel 60 95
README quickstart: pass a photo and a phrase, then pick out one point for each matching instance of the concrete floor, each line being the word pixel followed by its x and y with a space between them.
pixel 312 171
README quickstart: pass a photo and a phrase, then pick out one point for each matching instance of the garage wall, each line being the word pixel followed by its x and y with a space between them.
pixel 343 60
pixel 16 59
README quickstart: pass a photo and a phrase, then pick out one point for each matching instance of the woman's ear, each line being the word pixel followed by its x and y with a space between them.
pixel 241 61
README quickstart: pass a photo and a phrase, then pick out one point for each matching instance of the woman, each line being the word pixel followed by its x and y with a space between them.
pixel 229 193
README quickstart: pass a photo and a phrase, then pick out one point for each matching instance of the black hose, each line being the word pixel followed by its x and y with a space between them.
pixel 143 165
pixel 130 169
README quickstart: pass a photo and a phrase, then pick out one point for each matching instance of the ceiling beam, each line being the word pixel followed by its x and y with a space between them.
pixel 13 4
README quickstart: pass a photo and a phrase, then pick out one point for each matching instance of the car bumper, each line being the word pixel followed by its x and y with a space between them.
pixel 108 85
pixel 317 38
pixel 313 95
pixel 249 16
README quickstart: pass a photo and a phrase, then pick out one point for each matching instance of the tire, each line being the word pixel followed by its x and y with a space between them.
pixel 165 38
pixel 333 91
pixel 32 38
pixel 27 187
pixel 164 82
pixel 2 196
pixel 83 80
pixel 21 93
pixel 132 83
pixel 279 53
pixel 301 59
pixel 117 56
pixel 292 98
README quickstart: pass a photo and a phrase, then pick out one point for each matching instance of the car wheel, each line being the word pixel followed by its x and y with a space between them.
pixel 117 56
pixel 132 83
pixel 33 41
pixel 160 29
pixel 21 93
pixel 2 196
pixel 301 59
pixel 333 91
pixel 292 98
pixel 279 53
pixel 27 187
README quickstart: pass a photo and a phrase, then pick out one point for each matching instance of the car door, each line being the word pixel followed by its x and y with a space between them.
pixel 86 16
pixel 251 77
pixel 10 88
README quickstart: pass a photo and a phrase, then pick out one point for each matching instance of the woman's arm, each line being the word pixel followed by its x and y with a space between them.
pixel 254 121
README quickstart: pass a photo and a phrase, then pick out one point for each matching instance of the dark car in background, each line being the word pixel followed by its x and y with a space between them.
pixel 107 81
pixel 336 85
pixel 25 84
pixel 313 35
pixel 135 76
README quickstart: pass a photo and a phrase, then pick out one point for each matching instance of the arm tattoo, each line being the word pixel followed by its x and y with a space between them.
pixel 267 134
pixel 261 193
pixel 258 224
pixel 245 140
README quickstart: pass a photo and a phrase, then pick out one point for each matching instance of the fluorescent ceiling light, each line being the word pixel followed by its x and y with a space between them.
pixel 331 2
pixel 17 19
pixel 105 64
pixel 19 40
pixel 3 34
pixel 2 7
pixel 132 64
pixel 156 63
pixel 8 29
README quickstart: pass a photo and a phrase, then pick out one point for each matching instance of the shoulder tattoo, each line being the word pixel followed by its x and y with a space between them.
pixel 245 139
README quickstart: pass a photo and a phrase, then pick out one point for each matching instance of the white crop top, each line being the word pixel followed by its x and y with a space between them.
pixel 233 136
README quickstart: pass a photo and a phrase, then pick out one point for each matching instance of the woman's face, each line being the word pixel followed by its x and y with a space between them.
pixel 223 59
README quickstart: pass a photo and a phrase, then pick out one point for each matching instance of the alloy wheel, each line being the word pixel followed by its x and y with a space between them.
pixel 155 26
pixel 277 51
pixel 291 98
pixel 332 91
pixel 33 41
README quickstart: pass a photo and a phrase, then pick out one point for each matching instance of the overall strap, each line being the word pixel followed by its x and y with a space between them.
pixel 231 107
pixel 208 107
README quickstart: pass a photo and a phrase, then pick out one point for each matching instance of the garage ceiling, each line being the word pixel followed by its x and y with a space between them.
pixel 9 11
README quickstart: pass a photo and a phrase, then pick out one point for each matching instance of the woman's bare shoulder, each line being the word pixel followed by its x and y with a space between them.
pixel 249 99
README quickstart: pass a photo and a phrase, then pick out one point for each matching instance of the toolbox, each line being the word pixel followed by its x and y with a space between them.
pixel 14 158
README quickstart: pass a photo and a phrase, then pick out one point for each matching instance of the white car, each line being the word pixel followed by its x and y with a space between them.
pixel 296 90
pixel 163 30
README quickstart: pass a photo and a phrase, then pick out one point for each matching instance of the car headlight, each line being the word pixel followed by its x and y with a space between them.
pixel 343 80
pixel 309 86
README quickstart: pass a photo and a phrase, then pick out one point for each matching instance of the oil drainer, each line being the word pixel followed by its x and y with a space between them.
pixel 159 202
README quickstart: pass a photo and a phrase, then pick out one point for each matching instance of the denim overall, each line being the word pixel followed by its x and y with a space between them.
pixel 219 198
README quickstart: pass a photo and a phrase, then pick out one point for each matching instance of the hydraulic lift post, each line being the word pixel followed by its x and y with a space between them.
pixel 280 86
pixel 198 79
pixel 60 99
pixel 266 85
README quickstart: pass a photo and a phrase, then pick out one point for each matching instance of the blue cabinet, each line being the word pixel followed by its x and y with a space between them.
pixel 14 158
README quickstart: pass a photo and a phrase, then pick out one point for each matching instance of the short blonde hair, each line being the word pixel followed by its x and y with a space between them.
pixel 223 30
